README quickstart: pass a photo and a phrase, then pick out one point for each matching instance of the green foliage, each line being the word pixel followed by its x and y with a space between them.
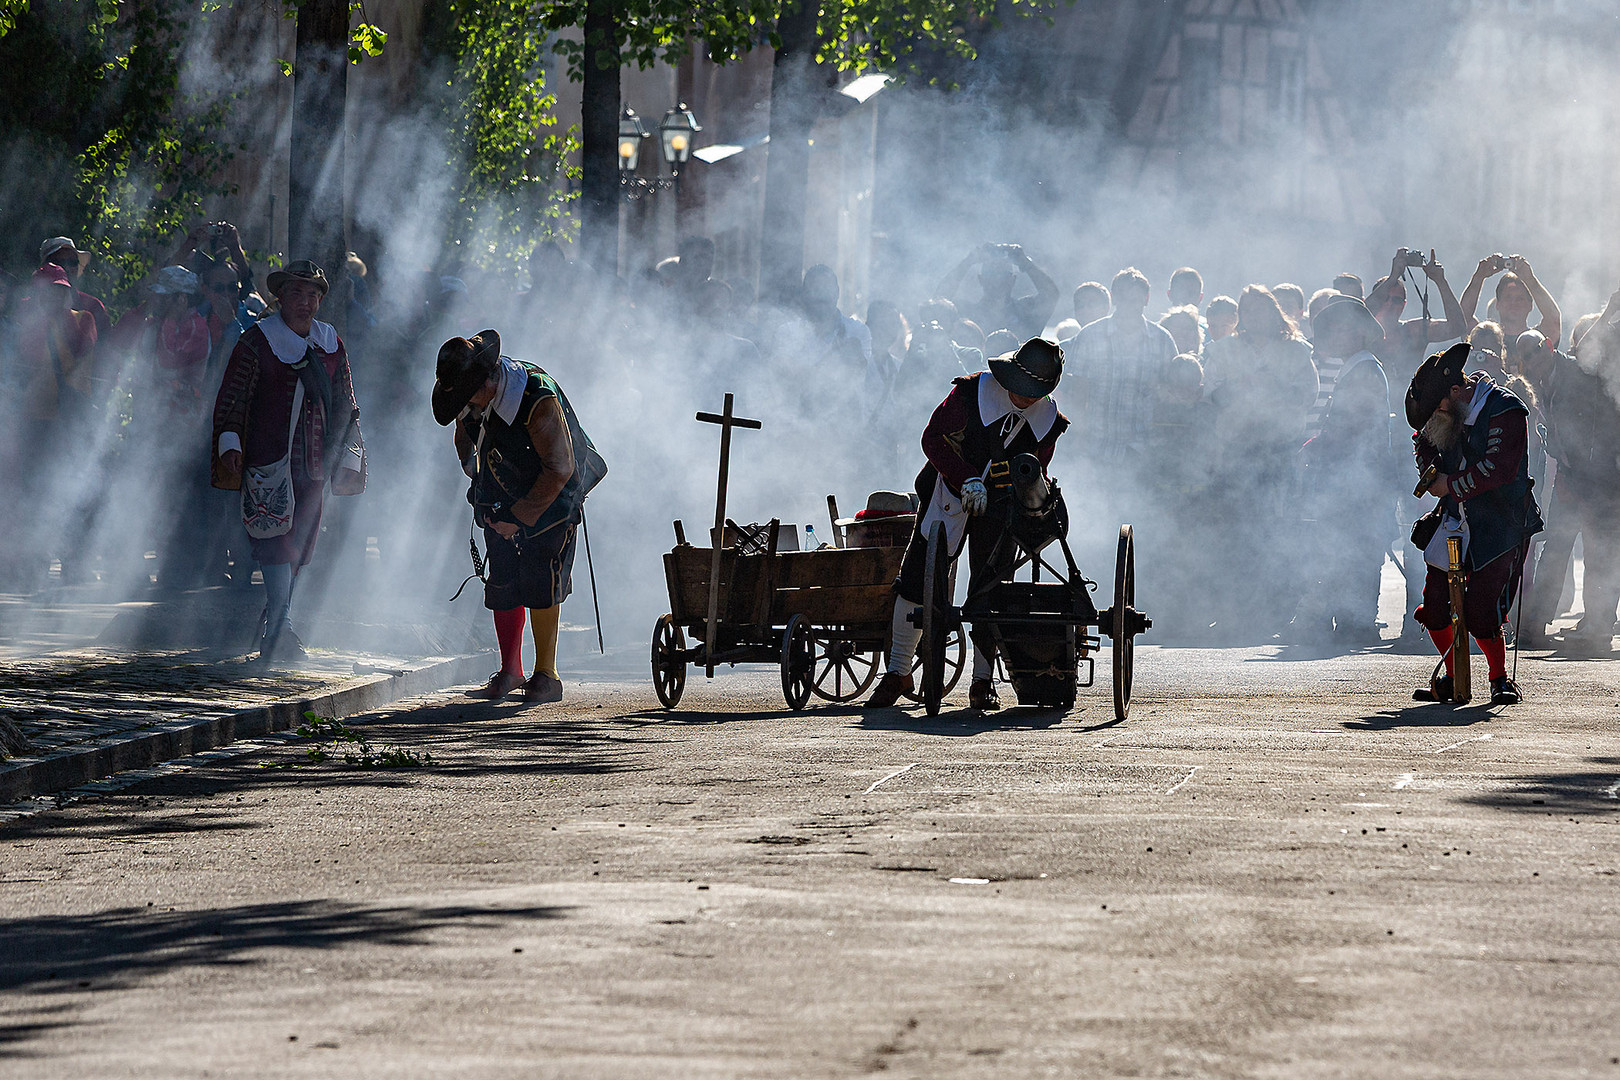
pixel 505 142
pixel 10 12
pixel 324 731
pixel 96 140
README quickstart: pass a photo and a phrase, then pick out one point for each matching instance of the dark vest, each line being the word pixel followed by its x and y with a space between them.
pixel 980 443
pixel 509 465
pixel 1501 519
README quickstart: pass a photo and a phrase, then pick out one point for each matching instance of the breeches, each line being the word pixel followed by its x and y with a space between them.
pixel 1487 596
pixel 537 572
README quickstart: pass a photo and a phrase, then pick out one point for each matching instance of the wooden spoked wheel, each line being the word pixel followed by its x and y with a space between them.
pixel 839 670
pixel 955 662
pixel 668 661
pixel 798 663
pixel 937 619
pixel 1126 621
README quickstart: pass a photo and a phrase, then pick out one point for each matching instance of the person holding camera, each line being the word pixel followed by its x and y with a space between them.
pixel 1517 293
pixel 997 308
pixel 519 444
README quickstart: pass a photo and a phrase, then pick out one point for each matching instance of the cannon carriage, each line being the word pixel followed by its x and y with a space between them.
pixel 1047 627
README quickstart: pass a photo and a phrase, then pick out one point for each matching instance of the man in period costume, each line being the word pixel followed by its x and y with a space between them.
pixel 517 441
pixel 286 424
pixel 989 417
pixel 1474 433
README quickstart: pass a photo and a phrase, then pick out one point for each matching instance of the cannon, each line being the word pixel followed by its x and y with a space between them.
pixel 1047 627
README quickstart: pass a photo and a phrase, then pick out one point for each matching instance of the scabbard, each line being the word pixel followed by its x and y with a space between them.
pixel 1461 681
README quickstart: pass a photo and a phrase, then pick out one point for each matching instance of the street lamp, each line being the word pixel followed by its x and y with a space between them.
pixel 675 132
pixel 631 132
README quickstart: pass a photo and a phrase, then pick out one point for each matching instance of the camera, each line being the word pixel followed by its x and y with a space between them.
pixel 216 229
pixel 1414 257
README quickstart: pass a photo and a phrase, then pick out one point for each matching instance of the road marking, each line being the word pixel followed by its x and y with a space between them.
pixel 1612 791
pixel 1405 779
pixel 1184 780
pixel 898 772
pixel 1465 742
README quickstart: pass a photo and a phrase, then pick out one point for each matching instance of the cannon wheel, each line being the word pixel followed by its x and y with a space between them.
pixel 668 666
pixel 798 662
pixel 955 661
pixel 936 619
pixel 1124 620
pixel 840 671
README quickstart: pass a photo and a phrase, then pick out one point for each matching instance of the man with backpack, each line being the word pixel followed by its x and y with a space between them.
pixel 531 466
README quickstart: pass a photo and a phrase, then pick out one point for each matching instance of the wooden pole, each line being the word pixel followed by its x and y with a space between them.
pixel 727 420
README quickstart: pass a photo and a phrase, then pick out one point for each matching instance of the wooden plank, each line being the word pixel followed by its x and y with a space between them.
pixel 836 567
pixel 851 605
pixel 687 570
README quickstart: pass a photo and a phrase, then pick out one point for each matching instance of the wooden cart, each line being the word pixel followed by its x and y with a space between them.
pixel 823 617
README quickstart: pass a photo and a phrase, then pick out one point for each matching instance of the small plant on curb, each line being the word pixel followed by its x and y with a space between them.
pixel 323 731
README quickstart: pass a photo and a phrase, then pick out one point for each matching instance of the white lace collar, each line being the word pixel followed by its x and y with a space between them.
pixel 290 346
pixel 995 404
pixel 514 378
pixel 1482 389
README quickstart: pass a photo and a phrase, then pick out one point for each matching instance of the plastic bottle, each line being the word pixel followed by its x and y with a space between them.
pixel 810 543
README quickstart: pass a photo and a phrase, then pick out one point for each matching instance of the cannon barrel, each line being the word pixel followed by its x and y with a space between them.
pixel 1030 486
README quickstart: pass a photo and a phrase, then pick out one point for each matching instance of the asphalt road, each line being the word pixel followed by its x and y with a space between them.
pixel 1279 866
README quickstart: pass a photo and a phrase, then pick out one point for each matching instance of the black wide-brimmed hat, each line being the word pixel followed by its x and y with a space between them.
pixel 1434 380
pixel 1032 371
pixel 465 364
pixel 302 270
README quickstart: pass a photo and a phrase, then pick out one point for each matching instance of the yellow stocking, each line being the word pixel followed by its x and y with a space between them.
pixel 543 625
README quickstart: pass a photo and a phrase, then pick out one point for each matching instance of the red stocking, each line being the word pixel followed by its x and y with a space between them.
pixel 1442 641
pixel 509 633
pixel 1495 651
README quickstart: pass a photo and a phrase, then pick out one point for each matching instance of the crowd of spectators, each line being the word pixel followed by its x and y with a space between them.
pixel 1249 439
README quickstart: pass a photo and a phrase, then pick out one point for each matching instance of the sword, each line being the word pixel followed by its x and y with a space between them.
pixel 1460 659
pixel 595 603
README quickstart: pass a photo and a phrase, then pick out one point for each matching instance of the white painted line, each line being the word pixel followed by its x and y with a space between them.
pixel 1184 780
pixel 898 772
pixel 1465 742
pixel 1612 791
pixel 1405 779
pixel 970 881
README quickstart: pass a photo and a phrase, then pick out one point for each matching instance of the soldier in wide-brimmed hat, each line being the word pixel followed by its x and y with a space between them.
pixel 989 417
pixel 531 466
pixel 1475 433
pixel 285 425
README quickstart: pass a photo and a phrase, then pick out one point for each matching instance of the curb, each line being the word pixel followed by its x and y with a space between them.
pixel 186 736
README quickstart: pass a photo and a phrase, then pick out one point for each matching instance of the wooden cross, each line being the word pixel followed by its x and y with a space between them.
pixel 727 420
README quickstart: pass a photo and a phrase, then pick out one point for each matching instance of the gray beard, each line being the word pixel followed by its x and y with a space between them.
pixel 1442 429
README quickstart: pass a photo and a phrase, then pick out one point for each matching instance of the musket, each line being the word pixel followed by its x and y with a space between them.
pixel 1427 480
pixel 1461 688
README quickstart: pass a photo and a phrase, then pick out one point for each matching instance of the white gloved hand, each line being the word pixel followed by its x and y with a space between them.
pixel 975 499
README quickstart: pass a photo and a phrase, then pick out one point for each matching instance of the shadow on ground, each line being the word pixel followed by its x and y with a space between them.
pixel 70 954
pixel 1429 714
pixel 1593 792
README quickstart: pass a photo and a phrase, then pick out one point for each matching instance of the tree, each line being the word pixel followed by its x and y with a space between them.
pixel 108 151
pixel 814 43
pixel 316 160
pixel 501 129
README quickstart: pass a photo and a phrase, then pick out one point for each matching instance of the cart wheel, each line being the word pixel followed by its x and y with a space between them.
pixel 1125 620
pixel 839 670
pixel 668 661
pixel 798 662
pixel 936 616
pixel 955 661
